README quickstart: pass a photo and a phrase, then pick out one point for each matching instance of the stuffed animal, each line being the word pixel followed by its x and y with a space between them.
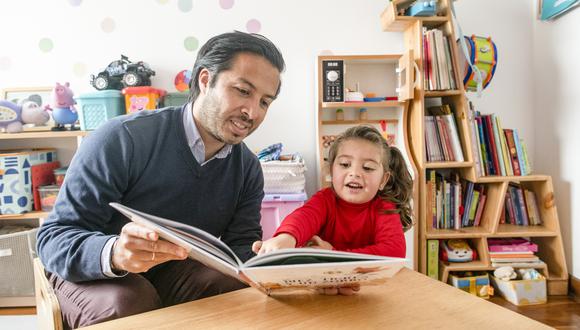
pixel 505 273
pixel 13 116
pixel 63 108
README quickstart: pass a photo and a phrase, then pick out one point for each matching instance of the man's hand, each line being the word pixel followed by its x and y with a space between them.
pixel 282 241
pixel 138 249
pixel 318 243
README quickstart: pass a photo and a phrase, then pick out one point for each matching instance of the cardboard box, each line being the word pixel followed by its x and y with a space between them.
pixel 522 292
pixel 16 178
pixel 477 285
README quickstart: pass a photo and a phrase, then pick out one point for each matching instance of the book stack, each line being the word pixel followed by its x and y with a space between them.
pixel 520 207
pixel 441 137
pixel 497 151
pixel 514 252
pixel 437 65
pixel 453 203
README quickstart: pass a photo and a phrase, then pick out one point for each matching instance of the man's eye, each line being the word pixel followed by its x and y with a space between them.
pixel 242 91
pixel 265 104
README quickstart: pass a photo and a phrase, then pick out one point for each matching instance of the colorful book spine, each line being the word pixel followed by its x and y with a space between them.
pixel 520 153
pixel 433 258
pixel 498 151
pixel 509 135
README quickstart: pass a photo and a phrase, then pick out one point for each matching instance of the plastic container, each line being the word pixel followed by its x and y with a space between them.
pixel 48 196
pixel 142 98
pixel 176 99
pixel 98 107
pixel 59 174
pixel 275 207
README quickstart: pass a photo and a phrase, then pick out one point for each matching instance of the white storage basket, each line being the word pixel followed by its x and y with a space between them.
pixel 283 177
pixel 16 272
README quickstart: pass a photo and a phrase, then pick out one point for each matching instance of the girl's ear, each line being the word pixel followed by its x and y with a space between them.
pixel 386 177
pixel 203 80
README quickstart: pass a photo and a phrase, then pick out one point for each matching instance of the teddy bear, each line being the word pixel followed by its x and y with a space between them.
pixel 14 116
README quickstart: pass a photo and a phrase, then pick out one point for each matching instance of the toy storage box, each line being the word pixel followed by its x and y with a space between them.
pixel 142 98
pixel 175 99
pixel 98 107
pixel 477 285
pixel 16 178
pixel 16 273
pixel 522 292
pixel 275 208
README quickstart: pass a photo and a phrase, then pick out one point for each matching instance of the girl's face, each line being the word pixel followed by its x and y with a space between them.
pixel 357 171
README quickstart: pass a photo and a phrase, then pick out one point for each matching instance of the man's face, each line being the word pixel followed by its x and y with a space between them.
pixel 237 104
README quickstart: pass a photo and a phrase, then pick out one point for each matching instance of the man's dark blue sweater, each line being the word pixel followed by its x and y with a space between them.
pixel 144 161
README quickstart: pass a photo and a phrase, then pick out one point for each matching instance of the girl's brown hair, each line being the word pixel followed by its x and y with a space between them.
pixel 399 186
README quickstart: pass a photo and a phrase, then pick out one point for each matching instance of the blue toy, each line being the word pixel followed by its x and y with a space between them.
pixel 422 8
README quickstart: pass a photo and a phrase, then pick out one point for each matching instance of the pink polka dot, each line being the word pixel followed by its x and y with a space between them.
pixel 226 4
pixel 253 26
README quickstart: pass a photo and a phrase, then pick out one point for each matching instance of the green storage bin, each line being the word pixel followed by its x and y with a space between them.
pixel 175 99
pixel 97 107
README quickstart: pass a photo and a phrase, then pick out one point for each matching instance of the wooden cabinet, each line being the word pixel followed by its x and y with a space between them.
pixel 547 235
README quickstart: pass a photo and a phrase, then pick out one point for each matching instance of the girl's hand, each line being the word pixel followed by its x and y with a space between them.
pixel 340 290
pixel 282 241
pixel 318 243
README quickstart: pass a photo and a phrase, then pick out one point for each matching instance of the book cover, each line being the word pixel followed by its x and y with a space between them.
pixel 509 135
pixel 505 154
pixel 480 208
pixel 467 199
pixel 498 150
pixel 520 153
pixel 473 208
pixel 511 245
pixel 454 137
pixel 286 269
pixel 484 153
pixel 433 258
pixel 475 140
pixel 488 129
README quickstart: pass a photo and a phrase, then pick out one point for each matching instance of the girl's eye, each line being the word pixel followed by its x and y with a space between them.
pixel 344 165
pixel 368 169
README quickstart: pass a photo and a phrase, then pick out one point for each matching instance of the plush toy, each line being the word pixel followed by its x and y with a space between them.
pixel 13 116
pixel 457 250
pixel 63 108
pixel 505 273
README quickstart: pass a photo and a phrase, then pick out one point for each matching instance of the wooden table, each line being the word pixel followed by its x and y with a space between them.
pixel 408 300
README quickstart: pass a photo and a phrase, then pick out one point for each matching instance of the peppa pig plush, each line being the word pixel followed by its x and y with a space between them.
pixel 63 108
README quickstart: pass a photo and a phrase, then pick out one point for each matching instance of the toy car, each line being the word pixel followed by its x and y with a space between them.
pixel 123 73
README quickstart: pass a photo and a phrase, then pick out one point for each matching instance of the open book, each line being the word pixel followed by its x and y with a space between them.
pixel 279 270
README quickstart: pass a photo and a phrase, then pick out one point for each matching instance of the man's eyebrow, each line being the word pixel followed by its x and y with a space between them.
pixel 245 81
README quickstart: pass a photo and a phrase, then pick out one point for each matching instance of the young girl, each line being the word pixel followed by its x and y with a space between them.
pixel 367 208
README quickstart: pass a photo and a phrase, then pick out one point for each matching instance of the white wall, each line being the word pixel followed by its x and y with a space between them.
pixel 556 99
pixel 154 31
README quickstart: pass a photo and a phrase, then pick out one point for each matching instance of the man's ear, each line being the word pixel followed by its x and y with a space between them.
pixel 203 80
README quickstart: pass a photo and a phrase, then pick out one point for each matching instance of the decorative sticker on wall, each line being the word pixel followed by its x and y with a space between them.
pixel 45 45
pixel 253 26
pixel 5 63
pixel 108 25
pixel 162 2
pixel 75 3
pixel 326 52
pixel 191 43
pixel 185 5
pixel 226 4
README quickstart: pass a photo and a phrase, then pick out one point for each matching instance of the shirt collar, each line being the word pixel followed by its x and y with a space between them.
pixel 194 139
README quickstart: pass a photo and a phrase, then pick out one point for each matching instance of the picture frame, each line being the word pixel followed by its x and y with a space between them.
pixel 40 95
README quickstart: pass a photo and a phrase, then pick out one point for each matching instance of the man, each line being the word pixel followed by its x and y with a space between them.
pixel 187 164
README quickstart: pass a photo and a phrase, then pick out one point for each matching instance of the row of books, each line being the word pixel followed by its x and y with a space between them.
pixel 520 207
pixel 453 203
pixel 441 136
pixel 437 63
pixel 497 151
pixel 515 252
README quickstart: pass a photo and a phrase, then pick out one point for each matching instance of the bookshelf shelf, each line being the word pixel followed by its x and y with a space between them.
pixel 42 135
pixel 28 215
pixel 547 236
pixel 358 122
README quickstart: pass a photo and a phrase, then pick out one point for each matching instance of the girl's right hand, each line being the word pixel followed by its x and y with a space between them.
pixel 282 241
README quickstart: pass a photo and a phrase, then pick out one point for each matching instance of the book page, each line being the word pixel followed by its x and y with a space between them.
pixel 201 246
pixel 321 275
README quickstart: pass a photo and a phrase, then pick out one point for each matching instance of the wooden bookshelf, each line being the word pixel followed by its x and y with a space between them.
pixel 547 235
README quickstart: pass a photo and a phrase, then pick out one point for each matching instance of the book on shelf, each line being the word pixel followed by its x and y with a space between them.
pixel 286 269
pixel 433 258
pixel 511 245
pixel 442 137
pixel 520 153
pixel 534 264
pixel 522 258
pixel 509 135
pixel 439 73
pixel 475 143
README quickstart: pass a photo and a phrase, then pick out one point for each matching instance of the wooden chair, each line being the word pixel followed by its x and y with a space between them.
pixel 47 306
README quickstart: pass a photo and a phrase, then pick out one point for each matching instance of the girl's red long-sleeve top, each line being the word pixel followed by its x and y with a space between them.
pixel 360 228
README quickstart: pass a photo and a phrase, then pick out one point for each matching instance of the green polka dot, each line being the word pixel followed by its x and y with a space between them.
pixel 108 25
pixel 163 2
pixel 191 43
pixel 45 45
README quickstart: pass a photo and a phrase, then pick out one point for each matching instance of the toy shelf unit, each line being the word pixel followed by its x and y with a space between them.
pixel 362 89
pixel 437 172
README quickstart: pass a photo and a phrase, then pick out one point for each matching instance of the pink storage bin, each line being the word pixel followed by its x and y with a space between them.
pixel 275 207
